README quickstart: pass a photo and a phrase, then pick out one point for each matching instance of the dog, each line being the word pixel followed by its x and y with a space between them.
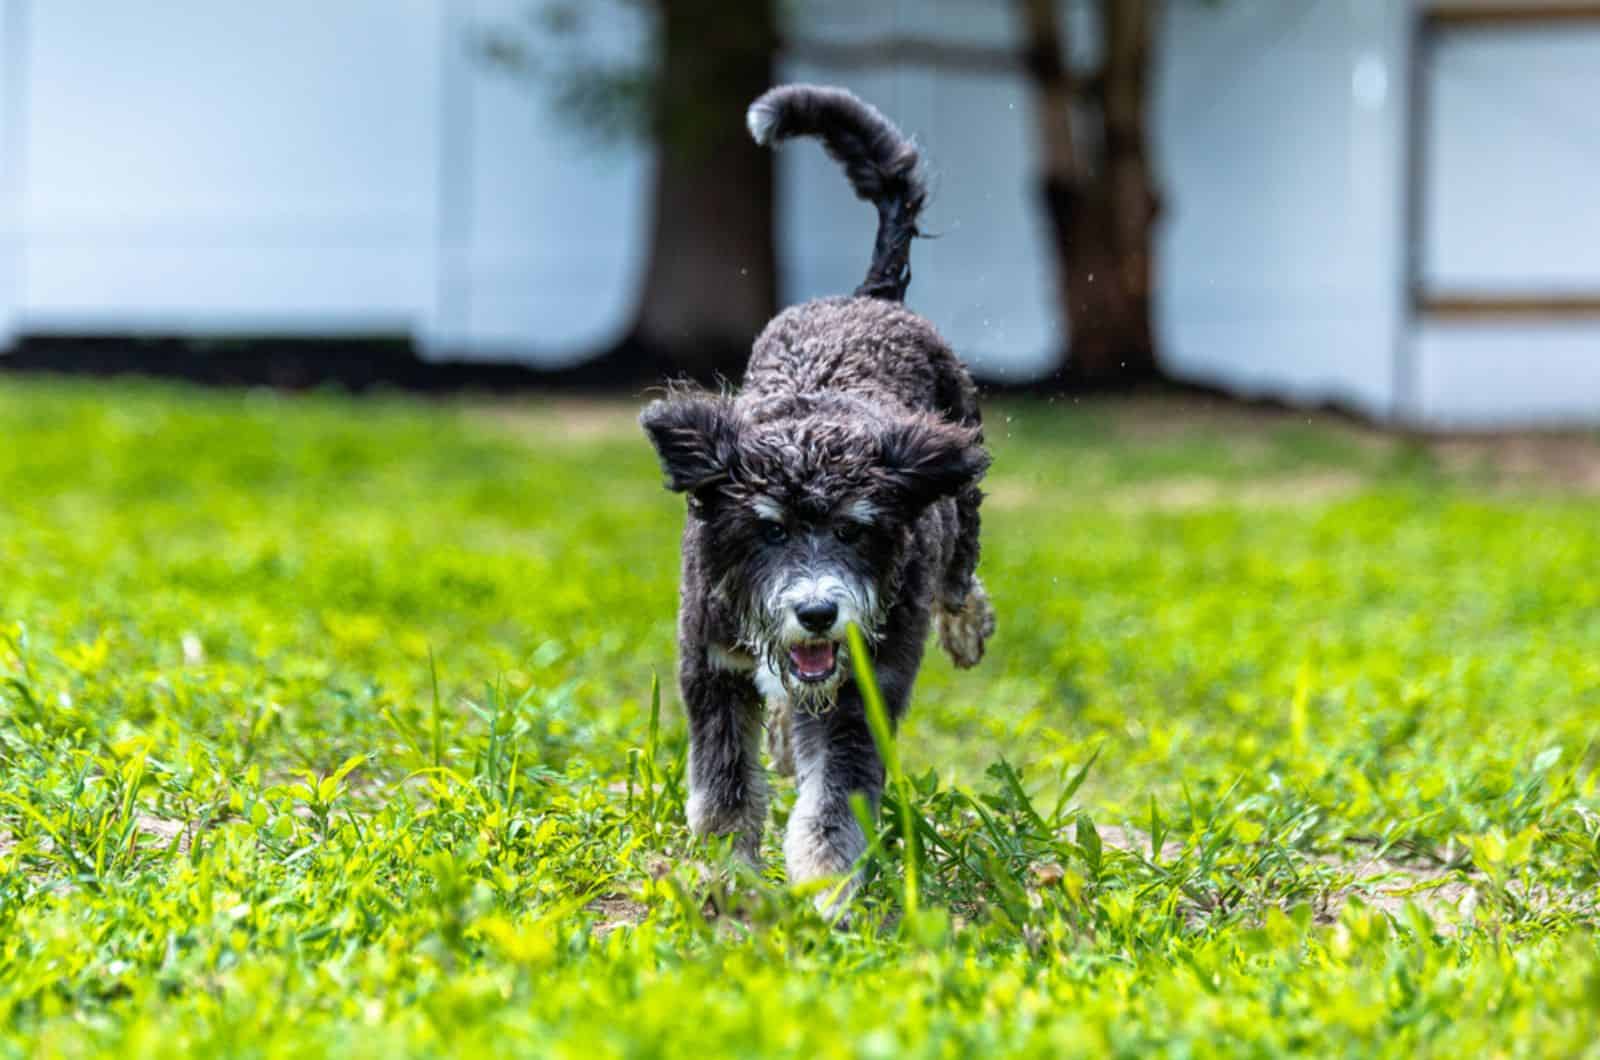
pixel 839 485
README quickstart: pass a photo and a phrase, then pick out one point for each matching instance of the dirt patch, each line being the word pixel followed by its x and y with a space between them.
pixel 1567 461
pixel 162 831
pixel 159 830
pixel 1002 494
pixel 615 911
pixel 1133 841
pixel 1445 894
pixel 1165 419
pixel 1193 493
pixel 1185 494
pixel 566 421
pixel 1558 460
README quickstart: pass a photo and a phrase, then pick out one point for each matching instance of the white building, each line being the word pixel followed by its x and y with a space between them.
pixel 1367 201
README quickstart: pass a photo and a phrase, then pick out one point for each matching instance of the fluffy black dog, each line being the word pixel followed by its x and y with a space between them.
pixel 838 486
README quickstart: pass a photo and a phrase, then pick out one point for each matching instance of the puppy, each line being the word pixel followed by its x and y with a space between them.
pixel 839 485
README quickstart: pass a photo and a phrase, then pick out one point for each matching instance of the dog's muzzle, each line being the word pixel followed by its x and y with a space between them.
pixel 810 614
pixel 815 660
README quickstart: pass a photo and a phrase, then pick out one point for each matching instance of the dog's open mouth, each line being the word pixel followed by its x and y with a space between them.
pixel 814 660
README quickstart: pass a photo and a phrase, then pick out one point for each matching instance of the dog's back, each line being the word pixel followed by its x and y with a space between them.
pixel 869 348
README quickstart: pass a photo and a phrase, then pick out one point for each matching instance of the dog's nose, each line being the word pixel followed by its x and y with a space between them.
pixel 817 615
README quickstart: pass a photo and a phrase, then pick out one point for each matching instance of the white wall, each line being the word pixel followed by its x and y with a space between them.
pixel 309 167
pixel 13 81
pixel 1280 133
pixel 305 167
pixel 1485 374
pixel 191 166
pixel 545 226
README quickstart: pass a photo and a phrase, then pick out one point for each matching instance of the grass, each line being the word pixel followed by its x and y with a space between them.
pixel 327 727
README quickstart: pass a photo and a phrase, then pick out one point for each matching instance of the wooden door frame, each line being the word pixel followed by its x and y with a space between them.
pixel 1463 16
pixel 1430 19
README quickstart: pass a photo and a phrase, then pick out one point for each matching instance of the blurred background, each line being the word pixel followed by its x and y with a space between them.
pixel 1383 204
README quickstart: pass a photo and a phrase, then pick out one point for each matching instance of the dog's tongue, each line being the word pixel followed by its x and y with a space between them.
pixel 812 660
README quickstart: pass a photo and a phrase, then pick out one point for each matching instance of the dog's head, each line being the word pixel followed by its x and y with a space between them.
pixel 806 515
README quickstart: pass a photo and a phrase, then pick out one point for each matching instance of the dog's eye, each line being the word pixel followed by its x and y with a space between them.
pixel 847 531
pixel 773 533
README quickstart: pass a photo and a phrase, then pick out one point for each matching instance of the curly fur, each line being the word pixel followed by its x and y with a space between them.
pixel 838 485
pixel 881 164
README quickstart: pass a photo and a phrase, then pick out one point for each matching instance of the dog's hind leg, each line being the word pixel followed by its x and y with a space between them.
pixel 964 615
pixel 727 784
pixel 962 612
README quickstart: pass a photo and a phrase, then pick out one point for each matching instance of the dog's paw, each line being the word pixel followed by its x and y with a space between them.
pixel 822 855
pixel 836 899
pixel 963 631
pixel 743 822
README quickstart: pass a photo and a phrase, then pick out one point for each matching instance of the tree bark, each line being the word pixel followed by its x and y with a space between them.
pixel 1101 209
pixel 711 281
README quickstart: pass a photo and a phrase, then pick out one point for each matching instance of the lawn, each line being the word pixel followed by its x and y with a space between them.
pixel 326 727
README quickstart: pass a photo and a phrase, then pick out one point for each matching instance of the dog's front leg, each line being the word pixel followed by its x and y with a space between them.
pixel 727 784
pixel 834 757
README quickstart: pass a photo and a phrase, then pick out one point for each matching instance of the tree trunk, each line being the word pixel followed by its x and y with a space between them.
pixel 711 281
pixel 1102 212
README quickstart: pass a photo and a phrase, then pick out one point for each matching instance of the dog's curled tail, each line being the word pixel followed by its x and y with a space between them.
pixel 880 161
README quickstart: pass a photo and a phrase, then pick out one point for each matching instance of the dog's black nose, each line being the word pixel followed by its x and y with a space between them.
pixel 817 615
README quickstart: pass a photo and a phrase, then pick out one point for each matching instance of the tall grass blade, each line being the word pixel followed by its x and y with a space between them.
pixel 883 736
pixel 438 713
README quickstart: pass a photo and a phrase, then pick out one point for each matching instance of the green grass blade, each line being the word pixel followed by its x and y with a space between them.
pixel 883 735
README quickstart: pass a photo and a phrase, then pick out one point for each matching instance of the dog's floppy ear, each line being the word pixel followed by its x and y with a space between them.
pixel 926 458
pixel 696 437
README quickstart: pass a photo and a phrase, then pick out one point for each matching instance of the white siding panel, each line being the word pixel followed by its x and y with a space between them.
pixel 547 223
pixel 13 88
pixel 221 165
pixel 1280 144
pixel 1512 374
